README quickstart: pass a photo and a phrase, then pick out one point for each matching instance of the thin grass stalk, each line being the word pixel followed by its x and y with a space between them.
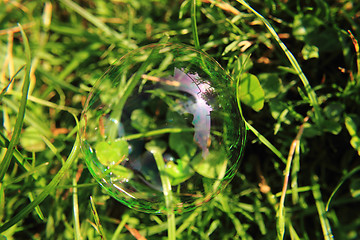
pixel 20 118
pixel 121 225
pixel 324 221
pixel 357 51
pixel 91 18
pixel 310 92
pixel 20 160
pixel 77 232
pixel 165 181
pixel 99 228
pixel 348 175
pixel 194 26
pixel 281 210
pixel 47 190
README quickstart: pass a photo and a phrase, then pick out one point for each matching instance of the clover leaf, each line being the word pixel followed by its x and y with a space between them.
pixel 110 153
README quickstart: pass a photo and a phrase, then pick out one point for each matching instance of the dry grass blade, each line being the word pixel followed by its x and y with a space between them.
pixel 281 211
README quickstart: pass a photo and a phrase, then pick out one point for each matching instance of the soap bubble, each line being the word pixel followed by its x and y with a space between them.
pixel 161 129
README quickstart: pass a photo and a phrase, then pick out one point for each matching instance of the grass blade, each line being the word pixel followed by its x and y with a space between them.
pixel 77 233
pixel 20 118
pixel 20 160
pixel 117 232
pixel 325 224
pixel 97 22
pixel 193 24
pixel 97 219
pixel 348 175
pixel 49 188
pixel 281 211
pixel 11 80
pixel 311 93
pixel 37 208
pixel 266 142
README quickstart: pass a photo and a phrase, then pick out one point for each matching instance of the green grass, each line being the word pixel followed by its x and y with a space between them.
pixel 299 177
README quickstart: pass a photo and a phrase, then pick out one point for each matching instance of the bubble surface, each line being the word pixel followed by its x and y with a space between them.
pixel 161 129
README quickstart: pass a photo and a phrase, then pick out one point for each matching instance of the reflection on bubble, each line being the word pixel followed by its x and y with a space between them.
pixel 161 130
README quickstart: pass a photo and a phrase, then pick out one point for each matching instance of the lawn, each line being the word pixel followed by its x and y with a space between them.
pixel 294 69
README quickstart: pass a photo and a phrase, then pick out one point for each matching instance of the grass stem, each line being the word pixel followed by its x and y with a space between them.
pixel 167 194
pixel 311 93
pixel 21 114
pixel 47 190
pixel 193 25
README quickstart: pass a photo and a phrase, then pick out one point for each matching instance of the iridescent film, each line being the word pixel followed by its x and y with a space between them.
pixel 161 130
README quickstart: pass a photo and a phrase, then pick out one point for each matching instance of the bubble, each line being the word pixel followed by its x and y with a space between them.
pixel 161 129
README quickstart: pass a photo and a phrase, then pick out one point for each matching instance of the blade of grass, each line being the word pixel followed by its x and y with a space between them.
pixel 77 232
pixel 294 175
pixel 348 175
pixel 2 201
pixel 251 128
pixel 324 221
pixel 224 6
pixel 47 103
pixel 357 51
pixel 11 80
pixel 188 221
pixel 241 231
pixel 266 142
pixel 91 18
pixel 117 232
pixel 99 228
pixel 20 118
pixel 293 233
pixel 49 188
pixel 168 195
pixel 97 22
pixel 193 25
pixel 20 160
pixel 37 208
pixel 311 93
pixel 29 118
pixel 31 172
pixel 281 211
pixel 56 82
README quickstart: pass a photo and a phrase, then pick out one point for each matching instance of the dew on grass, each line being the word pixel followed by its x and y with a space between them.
pixel 163 118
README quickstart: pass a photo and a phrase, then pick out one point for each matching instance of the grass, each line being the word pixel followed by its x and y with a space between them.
pixel 299 177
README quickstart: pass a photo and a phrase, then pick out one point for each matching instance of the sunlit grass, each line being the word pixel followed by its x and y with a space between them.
pixel 299 176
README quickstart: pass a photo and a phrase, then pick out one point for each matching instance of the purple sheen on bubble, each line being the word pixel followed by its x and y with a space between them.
pixel 196 87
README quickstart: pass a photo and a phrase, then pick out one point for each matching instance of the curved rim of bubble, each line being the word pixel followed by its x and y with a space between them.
pixel 242 124
pixel 161 45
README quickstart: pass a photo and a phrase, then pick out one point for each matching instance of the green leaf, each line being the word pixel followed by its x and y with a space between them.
pixel 156 145
pixel 310 51
pixel 334 110
pixel 110 153
pixel 304 25
pixel 31 140
pixel 212 165
pixel 243 64
pixel 311 130
pixel 183 144
pixel 352 123
pixel 120 173
pixel 251 92
pixel 271 84
pixel 179 172
pixel 331 126
pixel 355 187
pixel 142 121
